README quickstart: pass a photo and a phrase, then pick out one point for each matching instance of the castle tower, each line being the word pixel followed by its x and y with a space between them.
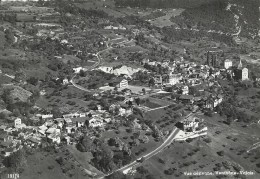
pixel 244 74
pixel 240 66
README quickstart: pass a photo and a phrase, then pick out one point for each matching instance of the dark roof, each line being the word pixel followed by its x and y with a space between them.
pixel 59 119
pixel 9 150
pixel 179 85
pixel 33 140
pixel 80 119
pixel 186 97
pixel 197 98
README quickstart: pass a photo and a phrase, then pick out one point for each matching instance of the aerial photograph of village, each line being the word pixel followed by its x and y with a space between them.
pixel 129 89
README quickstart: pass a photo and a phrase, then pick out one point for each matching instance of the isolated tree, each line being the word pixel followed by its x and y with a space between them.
pixel 56 112
pixel 9 36
pixel 151 82
pixel 85 144
pixel 138 101
pixel 142 170
pixel 20 76
pixel 82 73
pixel 33 80
pixel 143 90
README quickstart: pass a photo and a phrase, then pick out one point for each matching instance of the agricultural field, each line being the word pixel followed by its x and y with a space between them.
pixel 105 6
pixel 69 99
pixel 165 20
pixel 166 118
pixel 152 102
pixel 12 54
pixel 134 49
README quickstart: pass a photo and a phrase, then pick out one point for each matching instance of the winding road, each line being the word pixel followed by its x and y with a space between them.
pixel 159 149
pixel 92 67
pixel 96 65
pixel 166 143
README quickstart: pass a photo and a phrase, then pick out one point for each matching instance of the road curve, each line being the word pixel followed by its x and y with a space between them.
pixel 92 67
pixel 166 143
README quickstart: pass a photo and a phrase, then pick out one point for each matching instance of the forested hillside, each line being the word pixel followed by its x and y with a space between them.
pixel 163 3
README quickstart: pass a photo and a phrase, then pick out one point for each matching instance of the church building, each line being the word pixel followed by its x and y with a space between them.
pixel 241 73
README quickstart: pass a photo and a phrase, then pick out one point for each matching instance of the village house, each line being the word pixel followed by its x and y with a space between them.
pixel 215 73
pixel 47 116
pixel 54 138
pixel 213 101
pixel 203 74
pixel 107 120
pixel 123 84
pixel 96 122
pixel 174 79
pixel 158 80
pixel 112 108
pixel 110 27
pixel 33 142
pixel 127 92
pixel 73 115
pixel 70 128
pixel 125 111
pixel 80 121
pixel 99 107
pixel 119 83
pixel 67 121
pixel 185 90
pixel 145 61
pixel 190 124
pixel 59 122
pixel 228 64
pixel 78 69
pixel 65 81
pixel 42 129
pixel 52 130
pixel 165 64
pixel 8 151
pixel 106 69
pixel 18 123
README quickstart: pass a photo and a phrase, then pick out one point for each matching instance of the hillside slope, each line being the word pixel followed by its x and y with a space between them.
pixel 239 18
pixel 163 3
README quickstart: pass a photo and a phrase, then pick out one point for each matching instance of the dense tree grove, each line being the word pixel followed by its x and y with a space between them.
pixel 16 160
